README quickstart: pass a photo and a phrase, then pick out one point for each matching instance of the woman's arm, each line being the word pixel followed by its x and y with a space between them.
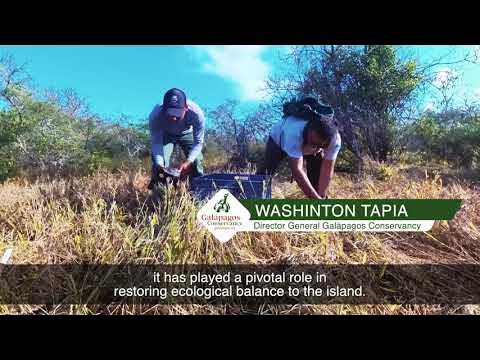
pixel 326 175
pixel 296 165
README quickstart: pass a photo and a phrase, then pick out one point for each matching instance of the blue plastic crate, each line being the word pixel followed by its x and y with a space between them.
pixel 242 186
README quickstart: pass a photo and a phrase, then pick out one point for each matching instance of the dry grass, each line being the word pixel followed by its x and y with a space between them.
pixel 111 218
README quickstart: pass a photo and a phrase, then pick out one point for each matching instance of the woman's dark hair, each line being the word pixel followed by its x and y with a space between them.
pixel 325 128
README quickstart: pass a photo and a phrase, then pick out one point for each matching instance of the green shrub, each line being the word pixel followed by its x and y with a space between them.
pixel 452 137
pixel 7 167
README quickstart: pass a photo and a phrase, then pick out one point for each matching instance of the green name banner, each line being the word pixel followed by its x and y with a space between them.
pixel 352 209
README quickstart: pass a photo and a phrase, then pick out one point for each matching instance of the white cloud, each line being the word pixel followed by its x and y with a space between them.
pixel 444 77
pixel 241 64
pixel 477 93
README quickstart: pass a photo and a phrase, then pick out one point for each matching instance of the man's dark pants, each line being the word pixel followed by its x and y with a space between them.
pixel 186 143
pixel 274 155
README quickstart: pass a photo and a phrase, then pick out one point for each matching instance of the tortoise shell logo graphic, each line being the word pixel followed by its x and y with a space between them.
pixel 222 205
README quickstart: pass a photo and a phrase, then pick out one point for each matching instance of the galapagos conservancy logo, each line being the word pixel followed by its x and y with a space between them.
pixel 223 215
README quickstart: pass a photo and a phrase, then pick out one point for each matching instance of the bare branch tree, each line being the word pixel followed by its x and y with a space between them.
pixel 236 133
pixel 72 104
pixel 13 83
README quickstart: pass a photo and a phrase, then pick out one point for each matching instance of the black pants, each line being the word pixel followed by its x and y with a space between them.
pixel 274 155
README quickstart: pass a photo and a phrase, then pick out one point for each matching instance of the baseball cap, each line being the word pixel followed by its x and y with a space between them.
pixel 174 102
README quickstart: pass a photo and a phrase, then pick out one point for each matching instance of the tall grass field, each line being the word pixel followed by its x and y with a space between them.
pixel 111 218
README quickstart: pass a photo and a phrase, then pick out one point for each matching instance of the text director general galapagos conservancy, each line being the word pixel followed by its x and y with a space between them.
pixel 337 226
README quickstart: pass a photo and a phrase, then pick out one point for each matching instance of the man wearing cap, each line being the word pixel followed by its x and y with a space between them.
pixel 177 121
pixel 309 135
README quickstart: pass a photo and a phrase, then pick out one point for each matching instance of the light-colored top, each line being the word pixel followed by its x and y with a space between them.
pixel 288 134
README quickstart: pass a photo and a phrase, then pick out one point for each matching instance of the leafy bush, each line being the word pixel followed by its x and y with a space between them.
pixel 453 136
pixel 41 137
pixel 380 171
pixel 386 172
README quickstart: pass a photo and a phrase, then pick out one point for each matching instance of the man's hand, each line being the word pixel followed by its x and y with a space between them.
pixel 185 168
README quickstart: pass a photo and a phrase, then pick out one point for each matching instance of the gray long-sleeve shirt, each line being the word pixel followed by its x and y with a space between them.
pixel 194 120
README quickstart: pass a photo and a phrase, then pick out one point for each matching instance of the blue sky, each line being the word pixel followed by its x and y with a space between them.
pixel 131 79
